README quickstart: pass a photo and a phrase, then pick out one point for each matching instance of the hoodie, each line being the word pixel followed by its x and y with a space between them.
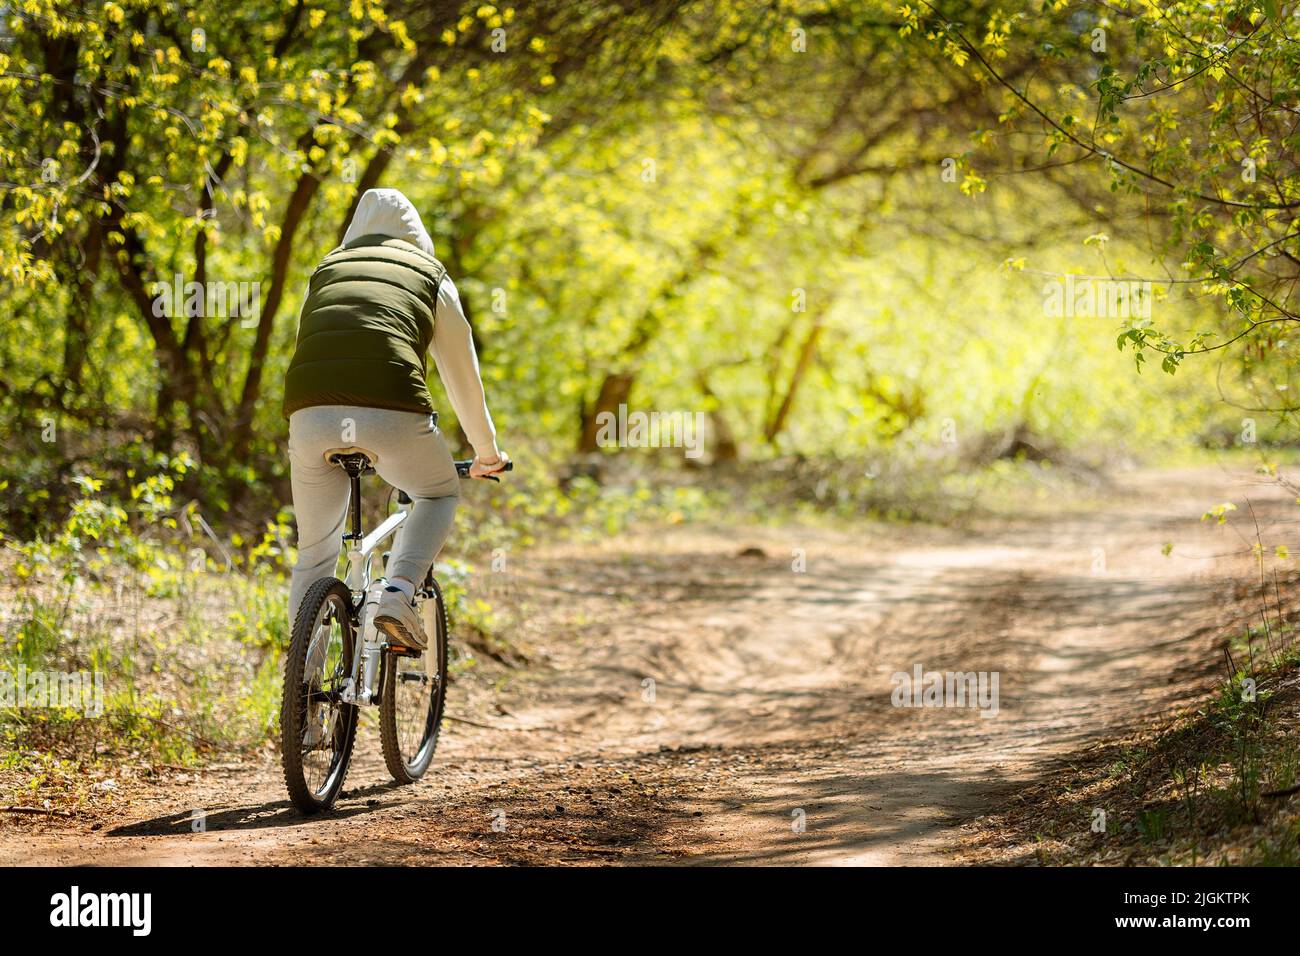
pixel 386 212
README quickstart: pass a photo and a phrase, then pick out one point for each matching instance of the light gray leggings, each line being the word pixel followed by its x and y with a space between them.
pixel 408 452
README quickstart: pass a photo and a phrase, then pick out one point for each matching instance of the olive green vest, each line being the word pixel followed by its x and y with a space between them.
pixel 365 328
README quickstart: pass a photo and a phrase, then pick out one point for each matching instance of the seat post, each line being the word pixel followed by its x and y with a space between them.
pixel 355 465
pixel 354 505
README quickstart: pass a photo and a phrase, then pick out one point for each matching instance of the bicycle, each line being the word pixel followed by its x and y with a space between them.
pixel 329 674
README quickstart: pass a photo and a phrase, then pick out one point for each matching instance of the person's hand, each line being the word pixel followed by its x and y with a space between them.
pixel 481 468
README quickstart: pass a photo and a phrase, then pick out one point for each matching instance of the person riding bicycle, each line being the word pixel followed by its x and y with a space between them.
pixel 375 307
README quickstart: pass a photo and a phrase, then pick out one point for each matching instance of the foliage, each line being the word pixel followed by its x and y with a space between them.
pixel 739 209
pixel 1187 110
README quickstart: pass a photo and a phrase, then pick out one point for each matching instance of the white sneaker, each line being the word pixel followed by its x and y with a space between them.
pixel 398 618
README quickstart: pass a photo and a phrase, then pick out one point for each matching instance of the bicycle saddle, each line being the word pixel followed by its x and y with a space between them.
pixel 354 463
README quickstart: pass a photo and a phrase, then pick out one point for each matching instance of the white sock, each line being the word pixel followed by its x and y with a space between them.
pixel 406 587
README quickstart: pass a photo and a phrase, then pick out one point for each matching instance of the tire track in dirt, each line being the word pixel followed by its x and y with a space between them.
pixel 769 701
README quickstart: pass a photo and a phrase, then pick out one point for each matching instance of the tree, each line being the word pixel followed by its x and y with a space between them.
pixel 156 145
pixel 1190 108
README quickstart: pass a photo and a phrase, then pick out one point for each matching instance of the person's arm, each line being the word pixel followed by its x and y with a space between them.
pixel 453 353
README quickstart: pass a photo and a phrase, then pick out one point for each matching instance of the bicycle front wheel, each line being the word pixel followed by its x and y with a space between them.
pixel 414 691
pixel 317 729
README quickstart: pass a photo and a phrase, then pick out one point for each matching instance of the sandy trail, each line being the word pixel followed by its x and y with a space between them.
pixel 704 706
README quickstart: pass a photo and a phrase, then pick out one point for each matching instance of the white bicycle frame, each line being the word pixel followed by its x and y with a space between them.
pixel 362 684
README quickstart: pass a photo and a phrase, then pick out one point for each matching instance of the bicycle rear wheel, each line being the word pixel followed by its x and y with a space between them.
pixel 414 692
pixel 317 729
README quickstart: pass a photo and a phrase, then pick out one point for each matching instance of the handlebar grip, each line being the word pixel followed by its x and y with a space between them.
pixel 462 469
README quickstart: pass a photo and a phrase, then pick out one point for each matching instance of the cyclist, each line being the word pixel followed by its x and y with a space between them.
pixel 375 307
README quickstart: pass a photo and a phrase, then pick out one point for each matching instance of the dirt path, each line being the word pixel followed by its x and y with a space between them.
pixel 706 703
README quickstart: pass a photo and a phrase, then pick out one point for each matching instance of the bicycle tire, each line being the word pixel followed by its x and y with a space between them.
pixel 325 596
pixel 399 673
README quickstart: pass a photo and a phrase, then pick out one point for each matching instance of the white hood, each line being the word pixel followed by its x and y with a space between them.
pixel 386 212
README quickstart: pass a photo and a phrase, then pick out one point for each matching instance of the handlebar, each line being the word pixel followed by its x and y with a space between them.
pixel 462 469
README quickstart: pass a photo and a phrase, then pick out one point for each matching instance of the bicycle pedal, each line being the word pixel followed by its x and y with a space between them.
pixel 401 650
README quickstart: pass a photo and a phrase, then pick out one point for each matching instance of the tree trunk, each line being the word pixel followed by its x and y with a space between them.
pixel 294 213
pixel 614 391
pixel 807 350
pixel 725 448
